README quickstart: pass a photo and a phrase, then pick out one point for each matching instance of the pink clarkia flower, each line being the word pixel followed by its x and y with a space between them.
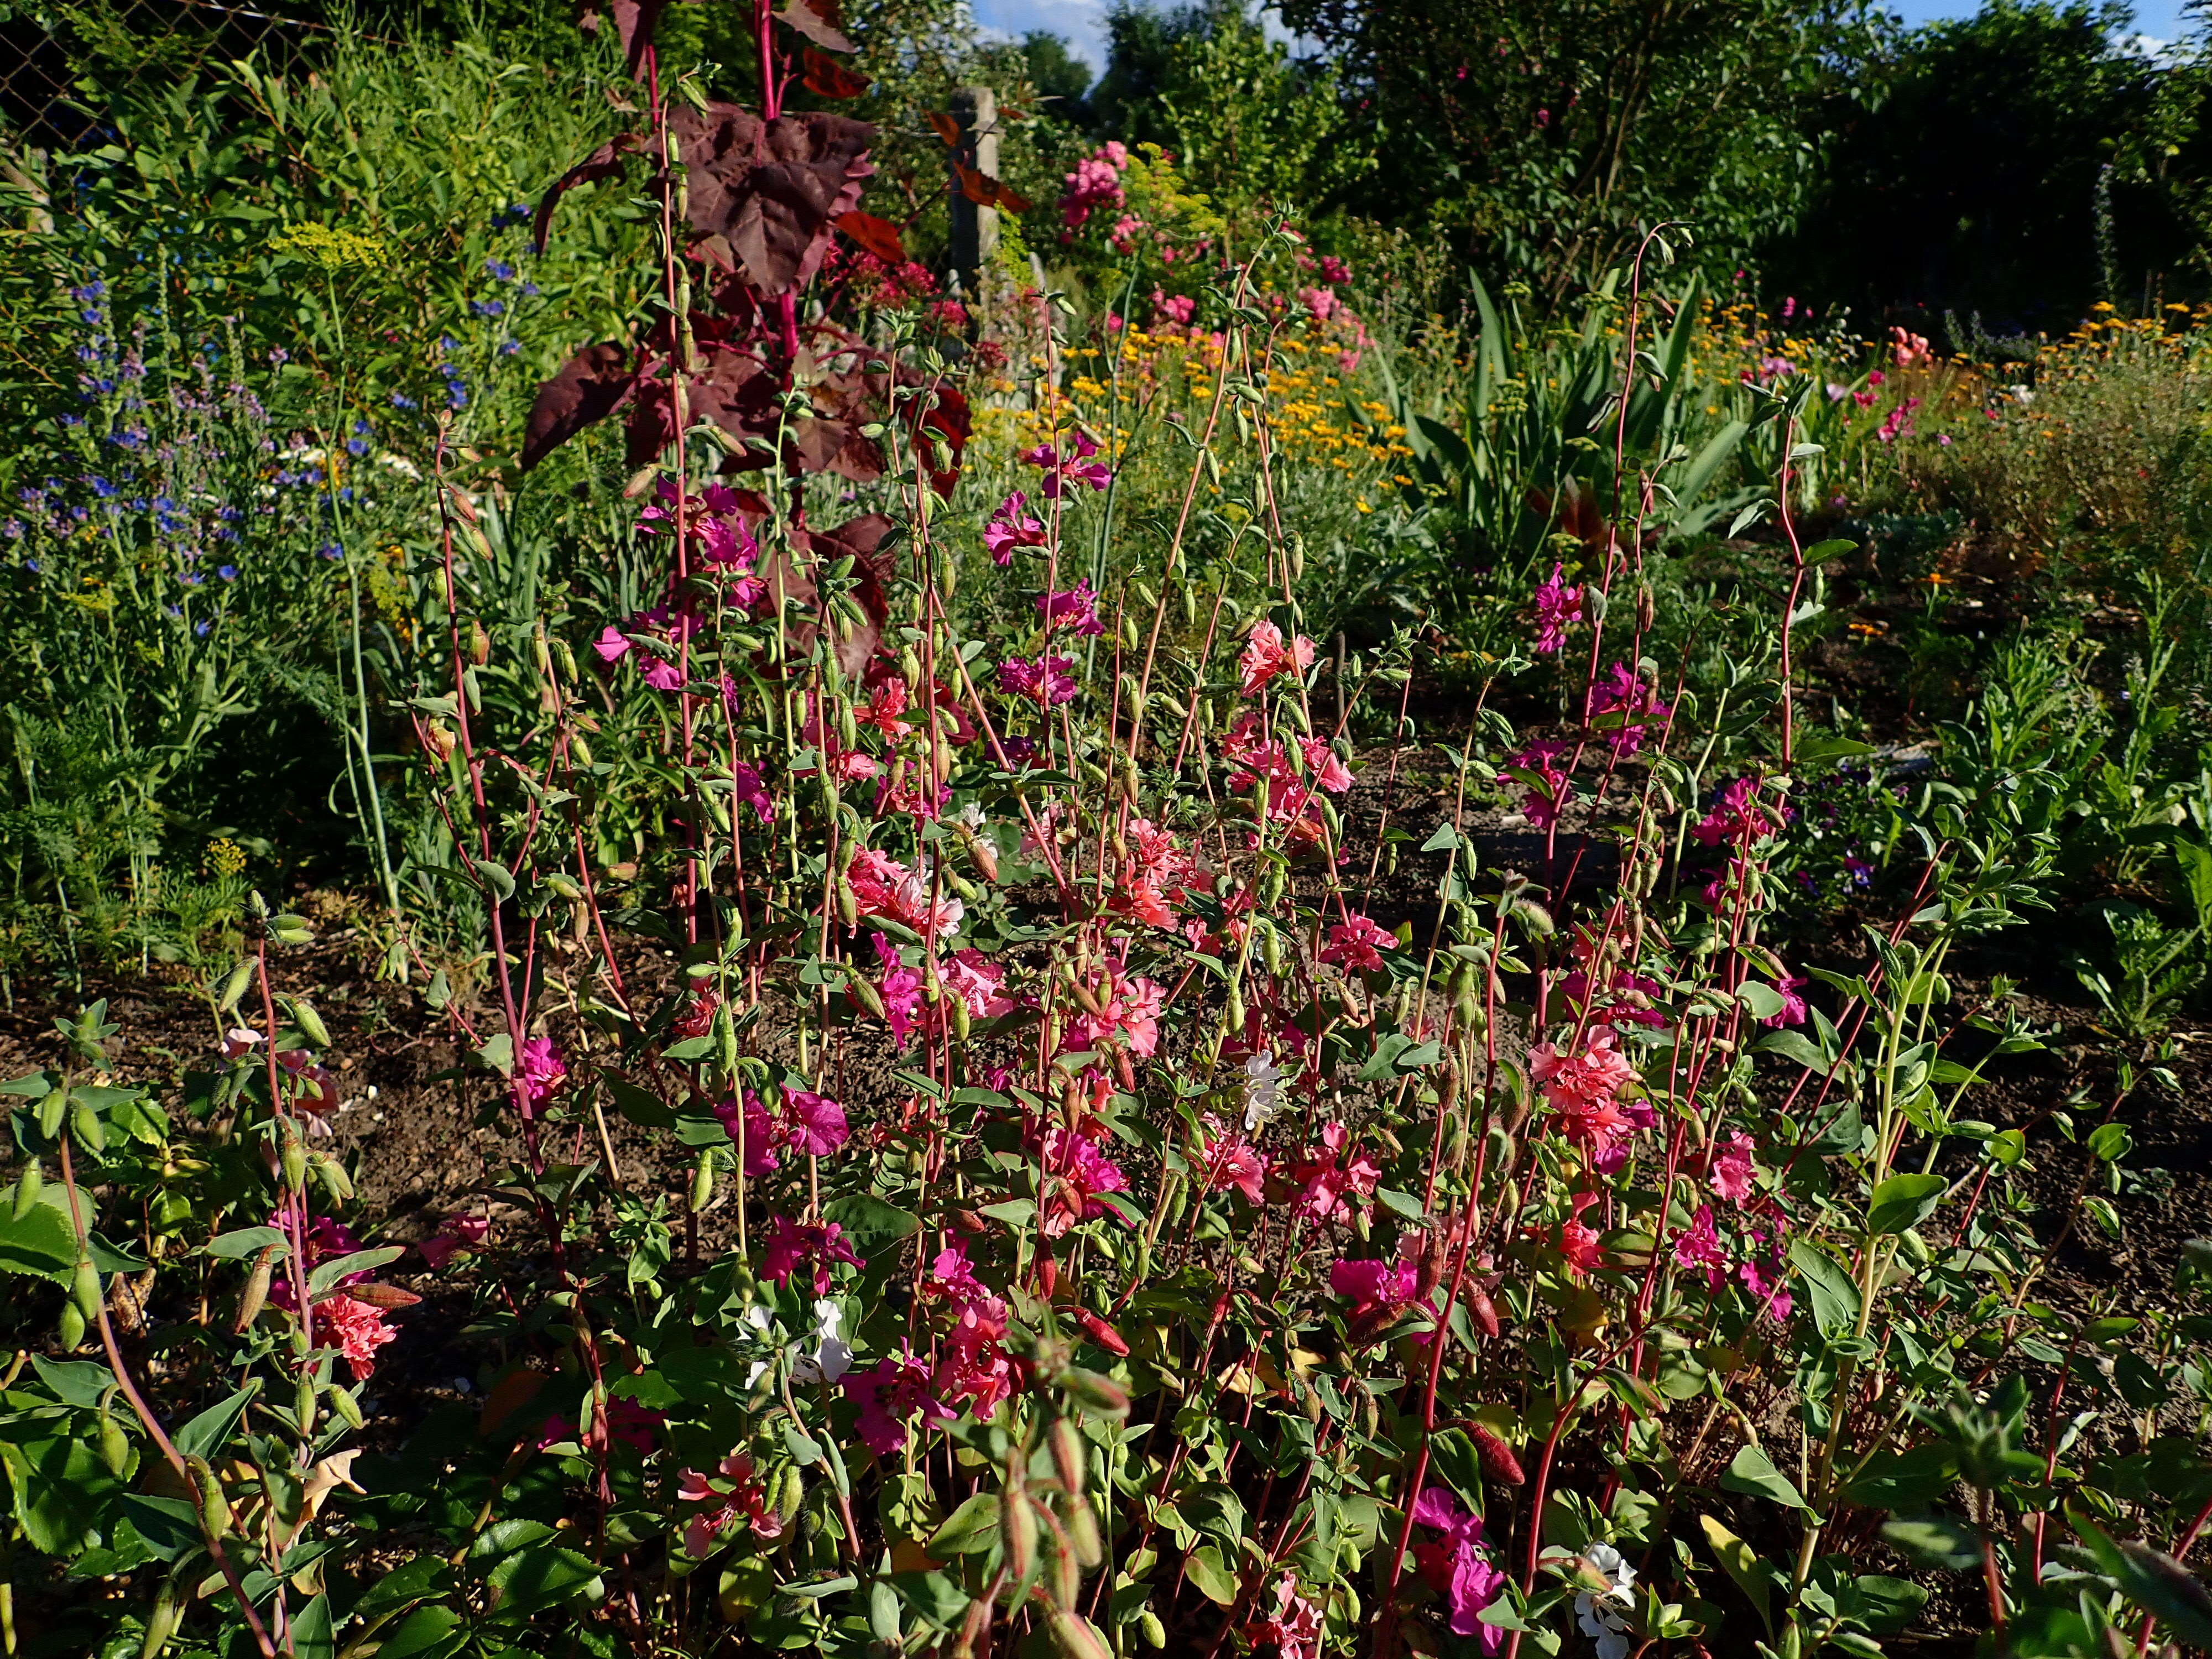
pixel 1737 819
pixel 1358 944
pixel 542 1073
pixel 748 788
pixel 1128 1013
pixel 1047 681
pixel 611 645
pixel 1325 766
pixel 1559 607
pixel 1700 1246
pixel 794 1246
pixel 1454 1565
pixel 1225 1159
pixel 1731 1168
pixel 1010 528
pixel 662 675
pixel 360 1329
pixel 890 1396
pixel 1369 1284
pixel 1546 784
pixel 1267 655
pixel 1077 1171
pixel 1076 609
pixel 1325 1177
pixel 1634 707
pixel 1792 1011
pixel 1293 1628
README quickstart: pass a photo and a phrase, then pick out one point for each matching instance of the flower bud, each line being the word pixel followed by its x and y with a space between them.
pixel 50 1112
pixel 1063 1573
pixel 252 1299
pixel 702 1181
pixel 438 741
pixel 295 1159
pixel 1480 1306
pixel 303 1403
pixel 234 987
pixel 389 1297
pixel 479 643
pixel 70 1329
pixel 1498 1462
pixel 1154 1632
pixel 1101 1332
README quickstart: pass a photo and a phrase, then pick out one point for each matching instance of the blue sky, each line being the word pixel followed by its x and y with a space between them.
pixel 1083 21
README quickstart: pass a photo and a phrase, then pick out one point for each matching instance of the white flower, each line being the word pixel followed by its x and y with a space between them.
pixel 1263 1089
pixel 1594 1610
pixel 971 815
pixel 832 1356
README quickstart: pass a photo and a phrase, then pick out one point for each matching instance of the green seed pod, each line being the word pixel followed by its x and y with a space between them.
pixel 161 1622
pixel 252 1299
pixel 702 1181
pixel 1063 1573
pixel 310 1025
pixel 234 987
pixel 792 1495
pixel 332 1175
pixel 1076 1637
pixel 215 1508
pixel 848 905
pixel 960 1019
pixel 69 1331
pixel 1271 949
pixel 1233 1015
pixel 1096 1394
pixel 1018 1527
pixel 84 1290
pixel 50 1113
pixel 1069 1462
pixel 89 1127
pixel 114 1445
pixel 564 885
pixel 1154 1632
pixel 27 1189
pixel 1082 1524
pixel 294 1160
pixel 303 1403
pixel 346 1407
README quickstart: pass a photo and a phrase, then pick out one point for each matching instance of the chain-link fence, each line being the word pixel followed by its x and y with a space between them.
pixel 60 59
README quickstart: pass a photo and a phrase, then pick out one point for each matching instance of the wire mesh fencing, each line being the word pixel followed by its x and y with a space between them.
pixel 61 61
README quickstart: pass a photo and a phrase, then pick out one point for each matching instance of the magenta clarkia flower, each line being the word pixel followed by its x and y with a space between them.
pixel 1047 681
pixel 1455 1567
pixel 1075 608
pixel 1010 528
pixel 1557 608
pixel 611 645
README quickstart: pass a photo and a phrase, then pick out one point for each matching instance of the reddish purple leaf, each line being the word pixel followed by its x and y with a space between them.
pixel 591 385
pixel 818 22
pixel 604 162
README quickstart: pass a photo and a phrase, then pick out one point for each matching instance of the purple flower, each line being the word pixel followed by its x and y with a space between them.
pixel 1453 1567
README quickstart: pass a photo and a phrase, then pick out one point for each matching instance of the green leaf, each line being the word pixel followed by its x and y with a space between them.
pixel 540 1577
pixel 495 877
pixel 641 1106
pixel 423 1577
pixel 248 1241
pixel 1014 1212
pixel 1760 999
pixel 1751 1472
pixel 41 1242
pixel 1829 1290
pixel 1903 1202
pixel 1404 1203
pixel 1886 1605
pixel 1822 552
pixel 311 1637
pixel 972 1529
pixel 432 1633
pixel 1202 1566
pixel 1742 1563
pixel 1933 1540
pixel 80 1382
pixel 498 1055
pixel 326 1276
pixel 206 1435
pixel 868 1218
pixel 2155 1581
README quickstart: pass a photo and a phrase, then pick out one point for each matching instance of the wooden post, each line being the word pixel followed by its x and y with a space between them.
pixel 974 227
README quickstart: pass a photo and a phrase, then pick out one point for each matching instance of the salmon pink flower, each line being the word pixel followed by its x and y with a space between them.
pixel 1267 655
pixel 1698 1246
pixel 359 1328
pixel 1731 1169
pixel 1293 1628
pixel 1358 944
